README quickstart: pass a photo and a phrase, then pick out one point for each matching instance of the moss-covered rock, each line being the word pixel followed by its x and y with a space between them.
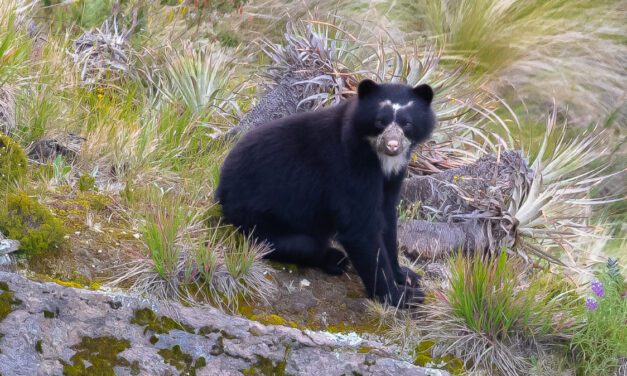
pixel 97 356
pixel 6 301
pixel 26 220
pixel 12 161
pixel 159 324
pixel 182 361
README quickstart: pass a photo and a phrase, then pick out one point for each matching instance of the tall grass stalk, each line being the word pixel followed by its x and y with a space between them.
pixel 160 234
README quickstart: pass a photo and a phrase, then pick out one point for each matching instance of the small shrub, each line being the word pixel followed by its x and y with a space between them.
pixel 26 220
pixel 86 183
pixel 602 341
pixel 228 38
pixel 12 161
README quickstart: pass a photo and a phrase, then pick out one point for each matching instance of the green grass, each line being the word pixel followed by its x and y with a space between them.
pixel 152 141
pixel 160 234
pixel 493 314
pixel 602 341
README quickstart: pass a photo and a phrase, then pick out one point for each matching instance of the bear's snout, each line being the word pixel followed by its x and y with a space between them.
pixel 392 147
pixel 391 140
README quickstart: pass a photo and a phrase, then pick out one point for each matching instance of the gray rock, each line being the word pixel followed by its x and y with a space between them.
pixel 8 246
pixel 48 320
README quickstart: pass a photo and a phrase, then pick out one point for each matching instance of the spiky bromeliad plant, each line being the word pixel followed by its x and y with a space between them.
pixel 540 208
pixel 199 76
pixel 521 207
pixel 103 54
pixel 491 317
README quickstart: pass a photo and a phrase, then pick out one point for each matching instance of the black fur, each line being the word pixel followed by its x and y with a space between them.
pixel 299 181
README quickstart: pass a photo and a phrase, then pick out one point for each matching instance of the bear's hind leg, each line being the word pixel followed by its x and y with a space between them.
pixel 306 250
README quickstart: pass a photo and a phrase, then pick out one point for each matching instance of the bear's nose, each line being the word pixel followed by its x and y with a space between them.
pixel 392 145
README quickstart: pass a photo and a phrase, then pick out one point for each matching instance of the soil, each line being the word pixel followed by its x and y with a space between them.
pixel 306 298
pixel 98 240
pixel 309 298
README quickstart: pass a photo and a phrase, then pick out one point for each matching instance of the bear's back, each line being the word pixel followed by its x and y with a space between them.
pixel 284 167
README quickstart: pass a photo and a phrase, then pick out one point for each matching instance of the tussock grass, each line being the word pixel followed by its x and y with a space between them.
pixel 189 260
pixel 493 317
pixel 536 50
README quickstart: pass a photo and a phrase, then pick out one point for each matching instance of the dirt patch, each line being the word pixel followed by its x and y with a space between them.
pixel 309 298
pixel 98 240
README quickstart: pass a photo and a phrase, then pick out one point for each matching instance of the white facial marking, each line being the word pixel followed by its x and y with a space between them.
pixel 395 106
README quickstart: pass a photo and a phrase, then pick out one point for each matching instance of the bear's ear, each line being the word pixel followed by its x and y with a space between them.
pixel 425 92
pixel 366 87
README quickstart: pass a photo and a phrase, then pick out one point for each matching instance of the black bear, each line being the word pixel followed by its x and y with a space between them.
pixel 299 181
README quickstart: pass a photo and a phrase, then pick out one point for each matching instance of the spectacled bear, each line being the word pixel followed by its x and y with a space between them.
pixel 300 181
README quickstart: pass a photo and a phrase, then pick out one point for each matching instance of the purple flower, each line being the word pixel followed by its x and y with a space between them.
pixel 597 288
pixel 591 304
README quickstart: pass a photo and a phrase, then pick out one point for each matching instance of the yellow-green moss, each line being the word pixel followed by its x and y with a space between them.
pixel 26 220
pixel 159 324
pixel 12 161
pixel 267 367
pixel 38 347
pixel 273 319
pixel 96 356
pixel 6 301
pixel 244 309
pixel 182 361
pixel 364 327
pixel 86 183
pixel 80 281
pixel 450 363
pixel 207 330
pixel 94 201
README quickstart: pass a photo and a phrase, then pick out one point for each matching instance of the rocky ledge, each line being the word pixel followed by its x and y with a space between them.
pixel 49 329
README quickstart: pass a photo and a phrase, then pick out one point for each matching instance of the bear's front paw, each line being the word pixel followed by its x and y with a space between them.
pixel 406 297
pixel 407 277
pixel 335 262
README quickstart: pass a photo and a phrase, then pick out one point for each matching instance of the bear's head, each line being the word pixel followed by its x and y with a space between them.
pixel 393 118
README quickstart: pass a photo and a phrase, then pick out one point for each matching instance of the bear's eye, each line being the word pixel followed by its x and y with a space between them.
pixel 408 124
pixel 379 124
